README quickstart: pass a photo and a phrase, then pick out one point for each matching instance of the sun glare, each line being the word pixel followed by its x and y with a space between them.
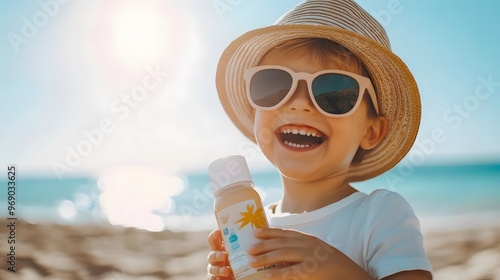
pixel 132 36
pixel 141 34
pixel 130 195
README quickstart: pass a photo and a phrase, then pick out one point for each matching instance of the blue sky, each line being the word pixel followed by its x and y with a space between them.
pixel 92 85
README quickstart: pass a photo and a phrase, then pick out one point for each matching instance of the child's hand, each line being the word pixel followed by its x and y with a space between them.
pixel 305 256
pixel 218 263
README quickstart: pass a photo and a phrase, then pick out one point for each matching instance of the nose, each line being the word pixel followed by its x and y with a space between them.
pixel 300 100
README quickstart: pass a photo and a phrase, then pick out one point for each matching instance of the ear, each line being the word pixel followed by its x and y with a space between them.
pixel 375 132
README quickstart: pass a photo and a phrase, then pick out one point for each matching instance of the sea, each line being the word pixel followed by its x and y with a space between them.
pixel 441 196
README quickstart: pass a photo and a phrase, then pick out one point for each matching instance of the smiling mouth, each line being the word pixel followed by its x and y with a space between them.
pixel 300 137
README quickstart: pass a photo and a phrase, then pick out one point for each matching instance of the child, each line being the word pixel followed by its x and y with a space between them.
pixel 328 103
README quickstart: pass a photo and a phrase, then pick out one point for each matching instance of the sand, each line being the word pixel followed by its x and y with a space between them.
pixel 52 251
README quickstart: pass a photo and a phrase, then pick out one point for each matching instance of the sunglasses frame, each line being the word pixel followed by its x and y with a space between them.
pixel 364 83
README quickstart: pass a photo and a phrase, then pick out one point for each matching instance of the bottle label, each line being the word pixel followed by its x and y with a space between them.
pixel 237 224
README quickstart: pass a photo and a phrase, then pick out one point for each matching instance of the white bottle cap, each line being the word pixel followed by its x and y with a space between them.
pixel 227 171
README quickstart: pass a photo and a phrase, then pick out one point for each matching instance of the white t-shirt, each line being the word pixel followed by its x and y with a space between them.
pixel 379 231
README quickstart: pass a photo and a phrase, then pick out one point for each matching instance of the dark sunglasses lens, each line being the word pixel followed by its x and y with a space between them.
pixel 268 87
pixel 335 93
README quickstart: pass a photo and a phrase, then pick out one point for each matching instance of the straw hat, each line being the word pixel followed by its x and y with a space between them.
pixel 346 23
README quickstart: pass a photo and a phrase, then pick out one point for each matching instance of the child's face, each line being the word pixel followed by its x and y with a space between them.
pixel 341 137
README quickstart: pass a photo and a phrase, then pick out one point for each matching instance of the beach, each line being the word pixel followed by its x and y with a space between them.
pixel 55 251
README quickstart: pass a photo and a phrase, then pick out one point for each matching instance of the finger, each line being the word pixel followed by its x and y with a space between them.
pixel 219 271
pixel 211 277
pixel 277 257
pixel 268 245
pixel 217 258
pixel 268 233
pixel 215 241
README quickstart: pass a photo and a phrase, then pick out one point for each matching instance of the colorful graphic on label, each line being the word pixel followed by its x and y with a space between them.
pixel 240 220
pixel 256 219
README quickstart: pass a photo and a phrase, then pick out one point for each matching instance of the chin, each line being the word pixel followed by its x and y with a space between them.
pixel 297 171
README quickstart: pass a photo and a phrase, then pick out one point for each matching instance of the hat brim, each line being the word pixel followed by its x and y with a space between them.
pixel 397 91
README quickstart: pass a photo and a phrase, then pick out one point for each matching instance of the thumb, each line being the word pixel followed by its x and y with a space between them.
pixel 215 240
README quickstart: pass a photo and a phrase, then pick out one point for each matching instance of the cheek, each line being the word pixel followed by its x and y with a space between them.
pixel 263 129
pixel 346 135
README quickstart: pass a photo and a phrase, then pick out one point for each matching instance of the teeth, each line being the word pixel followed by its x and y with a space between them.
pixel 296 145
pixel 308 132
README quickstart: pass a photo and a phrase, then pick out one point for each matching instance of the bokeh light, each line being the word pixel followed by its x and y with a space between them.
pixel 131 194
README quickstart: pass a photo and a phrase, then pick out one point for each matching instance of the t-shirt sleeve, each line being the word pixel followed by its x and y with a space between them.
pixel 393 241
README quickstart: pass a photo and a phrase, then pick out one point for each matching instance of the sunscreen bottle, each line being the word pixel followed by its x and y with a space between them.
pixel 238 210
